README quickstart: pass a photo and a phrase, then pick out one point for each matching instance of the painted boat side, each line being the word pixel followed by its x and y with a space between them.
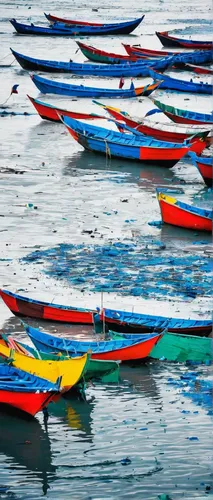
pixel 181 85
pixel 170 41
pixel 102 56
pixel 184 116
pixel 133 49
pixel 177 216
pixel 29 403
pixel 50 112
pixel 182 348
pixel 54 19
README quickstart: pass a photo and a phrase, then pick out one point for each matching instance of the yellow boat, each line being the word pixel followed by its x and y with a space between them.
pixel 71 370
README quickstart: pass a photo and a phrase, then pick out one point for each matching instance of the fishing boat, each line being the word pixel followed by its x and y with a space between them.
pixel 130 69
pixel 159 130
pixel 101 56
pixel 184 116
pixel 134 145
pixel 205 167
pixel 175 347
pixel 70 370
pixel 50 112
pixel 169 83
pixel 196 57
pixel 47 86
pixel 171 41
pixel 179 213
pixel 24 306
pixel 137 50
pixel 126 322
pixel 121 350
pixel 62 29
pixel 200 70
pixel 56 19
pixel 24 391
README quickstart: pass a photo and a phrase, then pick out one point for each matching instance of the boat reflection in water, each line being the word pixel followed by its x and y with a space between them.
pixel 75 414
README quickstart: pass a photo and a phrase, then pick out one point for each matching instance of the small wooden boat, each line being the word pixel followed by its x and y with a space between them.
pixel 50 112
pixel 134 146
pixel 130 69
pixel 62 29
pixel 179 348
pixel 159 130
pixel 70 370
pixel 180 59
pixel 121 350
pixel 125 322
pixel 101 56
pixel 171 41
pixel 185 116
pixel 200 70
pixel 137 50
pixel 205 167
pixel 24 391
pixel 47 86
pixel 24 306
pixel 169 83
pixel 56 19
pixel 181 214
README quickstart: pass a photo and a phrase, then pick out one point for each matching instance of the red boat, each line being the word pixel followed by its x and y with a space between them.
pixel 22 306
pixel 205 167
pixel 50 112
pixel 178 213
pixel 171 41
pixel 200 70
pixel 184 116
pixel 136 50
pixel 159 130
pixel 137 351
pixel 56 19
pixel 101 56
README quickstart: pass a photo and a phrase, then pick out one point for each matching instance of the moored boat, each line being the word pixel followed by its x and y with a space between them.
pixel 171 41
pixel 138 50
pixel 50 112
pixel 205 167
pixel 169 83
pixel 200 70
pixel 126 321
pixel 134 145
pixel 24 391
pixel 101 56
pixel 184 116
pixel 54 19
pixel 181 214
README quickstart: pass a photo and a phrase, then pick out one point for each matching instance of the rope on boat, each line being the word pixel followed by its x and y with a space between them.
pixel 6 65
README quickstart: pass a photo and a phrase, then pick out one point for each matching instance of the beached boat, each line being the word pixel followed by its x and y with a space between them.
pixel 70 370
pixel 50 112
pixel 125 322
pixel 24 306
pixel 134 145
pixel 169 83
pixel 137 50
pixel 62 29
pixel 181 214
pixel 171 41
pixel 205 167
pixel 179 348
pixel 101 56
pixel 24 391
pixel 130 69
pixel 196 57
pixel 47 86
pixel 184 116
pixel 200 70
pixel 56 19
pixel 159 130
pixel 121 350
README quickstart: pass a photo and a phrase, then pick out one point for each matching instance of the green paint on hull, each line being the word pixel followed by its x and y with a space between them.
pixel 175 347
pixel 99 58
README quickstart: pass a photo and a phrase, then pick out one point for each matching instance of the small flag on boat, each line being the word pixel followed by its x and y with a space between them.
pixel 132 87
pixel 153 111
pixel 14 89
pixel 121 83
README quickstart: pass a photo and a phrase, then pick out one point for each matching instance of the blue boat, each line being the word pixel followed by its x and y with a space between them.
pixel 122 350
pixel 184 115
pixel 140 68
pixel 133 146
pixel 169 83
pixel 53 87
pixel 60 29
pixel 130 322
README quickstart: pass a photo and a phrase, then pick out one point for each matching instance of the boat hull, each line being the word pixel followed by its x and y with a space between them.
pixel 135 352
pixel 177 216
pixel 207 172
pixel 51 113
pixel 137 51
pixel 30 403
pixel 181 85
pixel 182 348
pixel 101 56
pixel 169 41
pixel 184 116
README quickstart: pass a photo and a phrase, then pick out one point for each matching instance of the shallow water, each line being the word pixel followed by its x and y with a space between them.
pixel 134 438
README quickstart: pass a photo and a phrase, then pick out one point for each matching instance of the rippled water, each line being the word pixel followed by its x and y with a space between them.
pixel 142 438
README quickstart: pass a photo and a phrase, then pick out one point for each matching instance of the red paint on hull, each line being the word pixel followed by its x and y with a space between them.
pixel 70 21
pixel 135 352
pixel 181 119
pixel 207 172
pixel 176 216
pixel 52 113
pixel 131 50
pixel 112 55
pixel 30 403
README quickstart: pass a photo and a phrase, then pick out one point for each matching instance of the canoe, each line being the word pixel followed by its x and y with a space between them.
pixel 182 214
pixel 24 391
pixel 60 29
pixel 134 146
pixel 120 350
pixel 171 41
pixel 54 19
pixel 101 56
pixel 70 370
pixel 130 69
pixel 169 83
pixel 50 112
pixel 179 348
pixel 138 50
pixel 205 167
pixel 184 116
pixel 126 322
pixel 24 306
pixel 182 348
pixel 47 86
pixel 159 130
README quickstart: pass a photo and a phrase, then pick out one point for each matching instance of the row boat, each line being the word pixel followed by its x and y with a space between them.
pixel 54 19
pixel 118 350
pixel 169 83
pixel 171 41
pixel 182 214
pixel 184 116
pixel 137 50
pixel 47 86
pixel 126 321
pixel 101 56
pixel 200 70
pixel 60 29
pixel 205 167
pixel 159 130
pixel 51 112
pixel 26 392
